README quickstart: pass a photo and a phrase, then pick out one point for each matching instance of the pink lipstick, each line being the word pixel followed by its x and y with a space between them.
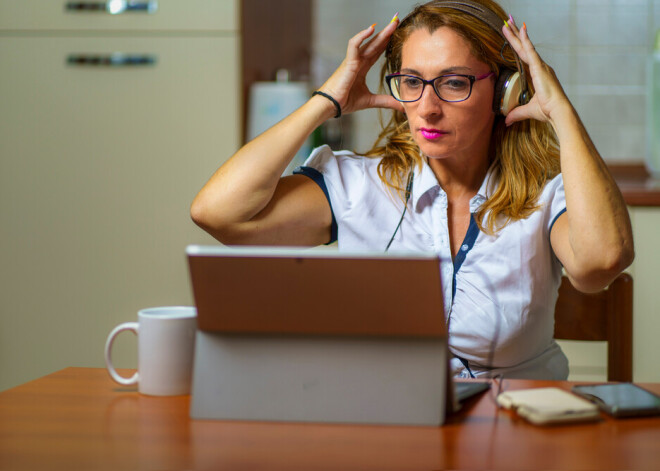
pixel 431 134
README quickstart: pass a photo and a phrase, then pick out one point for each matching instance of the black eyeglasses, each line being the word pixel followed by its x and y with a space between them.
pixel 451 88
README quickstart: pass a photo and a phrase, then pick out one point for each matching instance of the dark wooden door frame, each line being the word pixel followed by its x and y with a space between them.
pixel 276 34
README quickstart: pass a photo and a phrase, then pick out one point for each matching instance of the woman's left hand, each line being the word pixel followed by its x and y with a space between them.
pixel 593 238
pixel 548 93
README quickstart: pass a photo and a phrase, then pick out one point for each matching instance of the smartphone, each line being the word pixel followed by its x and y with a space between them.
pixel 620 399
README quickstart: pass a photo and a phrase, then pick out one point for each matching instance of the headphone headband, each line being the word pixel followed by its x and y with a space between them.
pixel 489 17
pixel 477 10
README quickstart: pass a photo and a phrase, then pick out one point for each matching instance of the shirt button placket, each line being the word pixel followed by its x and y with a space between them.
pixel 441 234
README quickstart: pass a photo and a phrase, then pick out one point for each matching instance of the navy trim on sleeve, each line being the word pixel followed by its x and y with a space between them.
pixel 550 232
pixel 466 246
pixel 552 224
pixel 320 181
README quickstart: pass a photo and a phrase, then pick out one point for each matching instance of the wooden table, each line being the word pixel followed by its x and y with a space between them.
pixel 78 418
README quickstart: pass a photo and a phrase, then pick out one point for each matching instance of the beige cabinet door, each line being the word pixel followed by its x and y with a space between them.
pixel 98 167
pixel 113 15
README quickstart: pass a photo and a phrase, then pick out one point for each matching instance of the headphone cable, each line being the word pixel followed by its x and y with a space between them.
pixel 405 207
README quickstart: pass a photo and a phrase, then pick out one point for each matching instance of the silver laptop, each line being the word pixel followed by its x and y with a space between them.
pixel 311 335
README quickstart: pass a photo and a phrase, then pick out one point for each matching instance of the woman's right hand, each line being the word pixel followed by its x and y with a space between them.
pixel 246 201
pixel 348 83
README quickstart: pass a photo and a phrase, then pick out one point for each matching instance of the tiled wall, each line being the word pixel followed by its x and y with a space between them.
pixel 598 48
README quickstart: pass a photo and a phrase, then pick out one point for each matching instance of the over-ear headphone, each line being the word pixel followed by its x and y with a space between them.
pixel 509 91
pixel 511 88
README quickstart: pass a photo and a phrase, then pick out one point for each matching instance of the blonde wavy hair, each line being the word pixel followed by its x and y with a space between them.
pixel 525 154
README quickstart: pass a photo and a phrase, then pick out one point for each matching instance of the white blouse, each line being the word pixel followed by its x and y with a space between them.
pixel 500 291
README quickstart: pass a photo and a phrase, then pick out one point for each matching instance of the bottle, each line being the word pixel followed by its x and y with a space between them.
pixel 270 102
pixel 653 111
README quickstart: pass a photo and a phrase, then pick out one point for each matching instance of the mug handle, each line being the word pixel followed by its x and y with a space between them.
pixel 133 326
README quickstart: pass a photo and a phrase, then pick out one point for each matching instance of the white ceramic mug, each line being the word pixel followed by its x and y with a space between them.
pixel 166 344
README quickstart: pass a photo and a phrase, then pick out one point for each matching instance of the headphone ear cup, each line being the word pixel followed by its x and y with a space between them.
pixel 507 91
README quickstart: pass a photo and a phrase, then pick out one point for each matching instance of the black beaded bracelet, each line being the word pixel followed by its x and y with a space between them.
pixel 334 102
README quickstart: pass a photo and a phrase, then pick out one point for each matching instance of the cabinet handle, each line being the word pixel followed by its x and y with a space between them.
pixel 114 7
pixel 111 60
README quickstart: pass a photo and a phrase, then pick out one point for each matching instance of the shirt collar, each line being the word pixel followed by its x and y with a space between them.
pixel 488 187
pixel 425 185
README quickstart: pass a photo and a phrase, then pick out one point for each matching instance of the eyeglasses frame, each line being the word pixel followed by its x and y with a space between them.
pixel 471 78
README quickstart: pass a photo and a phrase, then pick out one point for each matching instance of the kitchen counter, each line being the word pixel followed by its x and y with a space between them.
pixel 637 186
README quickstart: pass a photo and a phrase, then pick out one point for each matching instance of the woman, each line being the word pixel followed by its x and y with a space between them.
pixel 448 175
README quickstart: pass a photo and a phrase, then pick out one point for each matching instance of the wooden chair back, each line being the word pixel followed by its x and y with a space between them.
pixel 603 316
